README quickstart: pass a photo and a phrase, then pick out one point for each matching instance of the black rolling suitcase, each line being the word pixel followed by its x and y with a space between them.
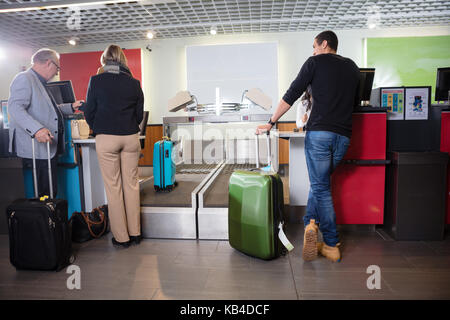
pixel 39 230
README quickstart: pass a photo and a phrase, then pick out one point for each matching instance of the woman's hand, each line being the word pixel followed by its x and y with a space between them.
pixel 77 104
pixel 305 118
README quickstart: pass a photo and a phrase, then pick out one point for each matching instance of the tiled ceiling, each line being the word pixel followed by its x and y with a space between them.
pixel 127 21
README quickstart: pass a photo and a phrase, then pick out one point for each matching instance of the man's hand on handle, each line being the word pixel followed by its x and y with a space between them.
pixel 43 135
pixel 281 109
pixel 263 128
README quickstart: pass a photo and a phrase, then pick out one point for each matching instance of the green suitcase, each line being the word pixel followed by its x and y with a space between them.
pixel 255 212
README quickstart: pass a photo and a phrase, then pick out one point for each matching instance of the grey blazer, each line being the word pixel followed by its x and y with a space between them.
pixel 30 109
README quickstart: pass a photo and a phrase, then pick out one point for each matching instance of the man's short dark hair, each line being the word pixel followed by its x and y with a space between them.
pixel 331 38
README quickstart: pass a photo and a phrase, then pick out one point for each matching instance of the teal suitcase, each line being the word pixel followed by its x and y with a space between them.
pixel 164 168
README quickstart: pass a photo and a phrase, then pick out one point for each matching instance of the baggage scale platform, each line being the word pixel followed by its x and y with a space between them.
pixel 200 198
pixel 213 203
pixel 173 214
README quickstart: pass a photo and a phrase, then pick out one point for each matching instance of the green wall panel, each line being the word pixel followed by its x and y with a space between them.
pixel 408 61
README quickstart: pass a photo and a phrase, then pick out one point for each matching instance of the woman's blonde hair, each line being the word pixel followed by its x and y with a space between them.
pixel 114 53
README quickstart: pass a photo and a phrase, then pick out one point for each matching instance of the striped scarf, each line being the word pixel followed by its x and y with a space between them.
pixel 115 67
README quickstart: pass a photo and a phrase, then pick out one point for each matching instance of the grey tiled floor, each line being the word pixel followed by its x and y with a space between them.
pixel 190 269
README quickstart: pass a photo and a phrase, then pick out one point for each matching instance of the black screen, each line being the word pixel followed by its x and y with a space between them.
pixel 366 76
pixel 442 84
pixel 62 91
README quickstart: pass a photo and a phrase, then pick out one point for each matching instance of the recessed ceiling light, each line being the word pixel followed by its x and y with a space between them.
pixel 150 35
pixel 73 41
pixel 213 31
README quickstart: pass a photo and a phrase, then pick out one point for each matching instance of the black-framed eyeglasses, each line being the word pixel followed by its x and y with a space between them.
pixel 57 67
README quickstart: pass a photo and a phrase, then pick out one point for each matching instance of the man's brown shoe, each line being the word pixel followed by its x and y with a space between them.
pixel 331 253
pixel 310 241
pixel 319 246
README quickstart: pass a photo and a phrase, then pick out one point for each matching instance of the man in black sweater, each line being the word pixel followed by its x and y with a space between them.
pixel 334 81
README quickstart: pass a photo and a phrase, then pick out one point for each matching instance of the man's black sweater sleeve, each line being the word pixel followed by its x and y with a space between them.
pixel 299 85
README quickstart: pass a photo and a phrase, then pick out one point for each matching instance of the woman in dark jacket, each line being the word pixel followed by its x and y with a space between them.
pixel 114 109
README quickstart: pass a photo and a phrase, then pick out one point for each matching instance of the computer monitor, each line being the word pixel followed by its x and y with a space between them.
pixel 442 84
pixel 62 91
pixel 366 76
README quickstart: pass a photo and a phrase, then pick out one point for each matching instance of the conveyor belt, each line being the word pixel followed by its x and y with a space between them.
pixel 188 177
pixel 178 197
pixel 196 168
pixel 216 196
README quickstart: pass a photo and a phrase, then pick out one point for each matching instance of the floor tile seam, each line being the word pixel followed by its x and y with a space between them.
pixel 408 293
pixel 351 270
pixel 252 287
pixel 374 257
pixel 219 268
pixel 359 292
pixel 217 246
pixel 363 276
pixel 415 265
pixel 205 282
pixel 293 278
pixel 431 247
pixel 139 292
pixel 155 294
pixel 387 269
pixel 424 270
pixel 386 283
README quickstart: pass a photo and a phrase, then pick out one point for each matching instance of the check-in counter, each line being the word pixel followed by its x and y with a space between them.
pixel 445 147
pixel 358 183
pixel 93 187
pixel 298 172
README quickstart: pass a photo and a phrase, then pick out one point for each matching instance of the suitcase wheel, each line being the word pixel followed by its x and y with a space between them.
pixel 157 189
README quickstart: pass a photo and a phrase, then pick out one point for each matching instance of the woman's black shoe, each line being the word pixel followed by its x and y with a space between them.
pixel 120 244
pixel 136 239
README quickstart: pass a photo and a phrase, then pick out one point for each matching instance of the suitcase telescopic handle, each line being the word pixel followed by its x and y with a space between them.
pixel 269 151
pixel 257 151
pixel 36 193
pixel 269 157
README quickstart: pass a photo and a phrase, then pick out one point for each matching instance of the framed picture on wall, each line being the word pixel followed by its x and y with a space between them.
pixel 393 99
pixel 4 113
pixel 417 103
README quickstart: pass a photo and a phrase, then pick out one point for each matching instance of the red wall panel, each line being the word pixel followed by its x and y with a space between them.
pixel 368 140
pixel 358 194
pixel 358 190
pixel 79 67
pixel 445 147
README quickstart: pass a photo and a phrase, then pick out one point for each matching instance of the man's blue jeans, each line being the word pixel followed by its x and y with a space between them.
pixel 323 150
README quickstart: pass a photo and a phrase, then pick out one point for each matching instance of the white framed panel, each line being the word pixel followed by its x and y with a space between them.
pixel 232 68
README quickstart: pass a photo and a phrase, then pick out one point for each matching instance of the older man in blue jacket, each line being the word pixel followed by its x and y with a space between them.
pixel 34 113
